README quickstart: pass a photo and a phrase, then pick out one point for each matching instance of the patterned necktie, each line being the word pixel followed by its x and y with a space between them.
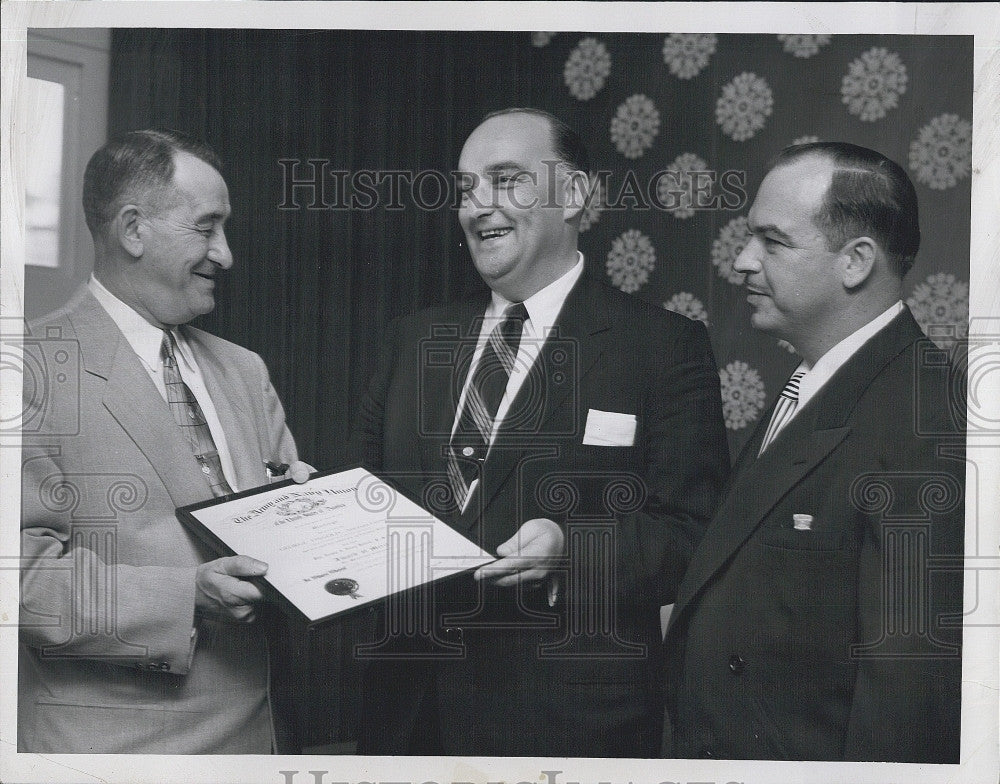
pixel 189 417
pixel 471 440
pixel 787 402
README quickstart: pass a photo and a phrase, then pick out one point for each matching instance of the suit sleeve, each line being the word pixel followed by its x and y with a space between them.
pixel 686 462
pixel 79 596
pixel 280 438
pixel 76 602
pixel 366 444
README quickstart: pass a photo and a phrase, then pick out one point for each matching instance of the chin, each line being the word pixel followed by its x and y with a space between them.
pixel 491 268
pixel 202 308
pixel 762 324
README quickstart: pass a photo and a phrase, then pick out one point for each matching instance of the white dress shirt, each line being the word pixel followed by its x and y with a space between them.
pixel 145 340
pixel 543 309
pixel 828 364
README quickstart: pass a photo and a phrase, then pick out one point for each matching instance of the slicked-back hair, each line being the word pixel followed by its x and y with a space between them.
pixel 133 165
pixel 869 196
pixel 566 143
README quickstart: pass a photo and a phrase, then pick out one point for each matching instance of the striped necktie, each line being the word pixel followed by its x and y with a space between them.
pixel 471 439
pixel 783 411
pixel 189 417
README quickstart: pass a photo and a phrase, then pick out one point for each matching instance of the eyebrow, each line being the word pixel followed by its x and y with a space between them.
pixel 770 229
pixel 215 215
pixel 492 169
pixel 505 166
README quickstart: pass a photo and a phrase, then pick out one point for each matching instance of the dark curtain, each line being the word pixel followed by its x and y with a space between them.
pixel 314 284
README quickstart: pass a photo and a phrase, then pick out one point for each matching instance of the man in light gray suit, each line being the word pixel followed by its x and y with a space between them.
pixel 134 637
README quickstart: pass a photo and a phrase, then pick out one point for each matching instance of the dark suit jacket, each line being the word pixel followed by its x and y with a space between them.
pixel 107 659
pixel 833 643
pixel 632 513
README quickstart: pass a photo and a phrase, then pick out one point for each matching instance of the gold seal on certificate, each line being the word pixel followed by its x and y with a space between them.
pixel 324 539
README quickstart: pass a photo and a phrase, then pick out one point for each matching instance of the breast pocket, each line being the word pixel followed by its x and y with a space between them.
pixel 805 582
pixel 792 539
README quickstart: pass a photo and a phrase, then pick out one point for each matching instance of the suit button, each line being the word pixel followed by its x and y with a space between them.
pixel 707 753
pixel 164 666
pixel 453 633
pixel 736 664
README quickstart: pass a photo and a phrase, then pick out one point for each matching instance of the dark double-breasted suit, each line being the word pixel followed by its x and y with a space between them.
pixel 840 642
pixel 579 678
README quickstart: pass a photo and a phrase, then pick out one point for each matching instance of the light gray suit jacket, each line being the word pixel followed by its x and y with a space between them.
pixel 112 656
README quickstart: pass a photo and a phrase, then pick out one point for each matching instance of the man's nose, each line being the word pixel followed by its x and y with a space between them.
pixel 746 260
pixel 218 251
pixel 477 198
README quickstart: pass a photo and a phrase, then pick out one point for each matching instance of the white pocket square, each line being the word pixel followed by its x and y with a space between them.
pixel 609 428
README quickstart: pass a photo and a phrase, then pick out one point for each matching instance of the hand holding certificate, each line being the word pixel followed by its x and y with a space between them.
pixel 337 542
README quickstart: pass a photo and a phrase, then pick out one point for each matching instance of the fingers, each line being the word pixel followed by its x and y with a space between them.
pixel 510 571
pixel 537 537
pixel 528 556
pixel 497 569
pixel 528 539
pixel 222 587
pixel 300 471
pixel 243 613
pixel 233 592
pixel 531 578
pixel 221 591
pixel 241 566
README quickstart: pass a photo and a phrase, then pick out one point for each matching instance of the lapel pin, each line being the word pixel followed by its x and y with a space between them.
pixel 802 522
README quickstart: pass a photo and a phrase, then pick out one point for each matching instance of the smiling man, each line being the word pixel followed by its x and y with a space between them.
pixel 820 618
pixel 572 431
pixel 134 638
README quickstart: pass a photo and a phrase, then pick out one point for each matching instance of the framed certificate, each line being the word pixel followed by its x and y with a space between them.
pixel 341 541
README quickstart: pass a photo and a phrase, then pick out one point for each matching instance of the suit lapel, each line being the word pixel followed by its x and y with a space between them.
pixel 759 484
pixel 440 384
pixel 235 412
pixel 133 400
pixel 755 491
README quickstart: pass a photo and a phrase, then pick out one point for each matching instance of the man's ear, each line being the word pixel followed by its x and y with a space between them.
pixel 860 255
pixel 127 230
pixel 576 188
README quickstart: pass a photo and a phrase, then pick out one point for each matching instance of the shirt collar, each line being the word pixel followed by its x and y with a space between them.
pixel 832 360
pixel 144 338
pixel 544 305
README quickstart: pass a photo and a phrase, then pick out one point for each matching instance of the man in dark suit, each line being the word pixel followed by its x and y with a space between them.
pixel 134 637
pixel 589 459
pixel 820 617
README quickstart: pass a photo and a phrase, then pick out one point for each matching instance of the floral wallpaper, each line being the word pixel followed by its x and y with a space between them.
pixel 681 127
